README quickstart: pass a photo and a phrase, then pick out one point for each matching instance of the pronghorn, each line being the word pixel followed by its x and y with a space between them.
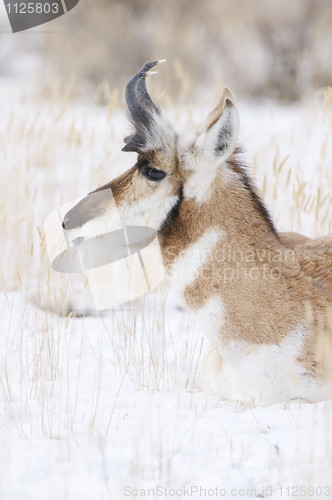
pixel 262 298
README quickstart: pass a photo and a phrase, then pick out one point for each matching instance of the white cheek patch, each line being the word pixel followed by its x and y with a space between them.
pixel 187 265
pixel 150 212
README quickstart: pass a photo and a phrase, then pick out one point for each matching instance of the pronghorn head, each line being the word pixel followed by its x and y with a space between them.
pixel 169 168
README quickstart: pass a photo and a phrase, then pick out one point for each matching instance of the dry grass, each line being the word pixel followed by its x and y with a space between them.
pixel 66 380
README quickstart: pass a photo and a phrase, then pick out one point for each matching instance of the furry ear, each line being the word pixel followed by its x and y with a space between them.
pixel 221 127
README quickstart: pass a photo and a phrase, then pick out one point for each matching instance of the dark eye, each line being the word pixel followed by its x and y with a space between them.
pixel 153 174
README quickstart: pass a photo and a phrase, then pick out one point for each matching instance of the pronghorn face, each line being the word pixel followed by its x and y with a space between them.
pixel 142 196
pixel 169 167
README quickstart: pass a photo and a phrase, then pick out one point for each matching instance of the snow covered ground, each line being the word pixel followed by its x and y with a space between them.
pixel 109 406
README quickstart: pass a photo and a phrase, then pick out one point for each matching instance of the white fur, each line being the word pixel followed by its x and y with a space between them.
pixel 162 135
pixel 211 318
pixel 258 374
pixel 144 212
pixel 151 212
pixel 200 181
pixel 108 222
pixel 188 264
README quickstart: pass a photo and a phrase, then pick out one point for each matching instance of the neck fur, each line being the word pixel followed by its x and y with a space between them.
pixel 235 210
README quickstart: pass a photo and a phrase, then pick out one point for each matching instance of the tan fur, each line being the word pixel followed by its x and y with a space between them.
pixel 291 240
pixel 129 187
pixel 291 280
pixel 283 286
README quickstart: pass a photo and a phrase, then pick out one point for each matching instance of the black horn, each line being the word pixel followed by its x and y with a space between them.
pixel 141 106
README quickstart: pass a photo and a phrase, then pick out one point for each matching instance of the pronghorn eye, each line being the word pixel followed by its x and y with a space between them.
pixel 153 174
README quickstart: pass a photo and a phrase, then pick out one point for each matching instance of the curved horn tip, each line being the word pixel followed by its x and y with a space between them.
pixel 148 66
pixel 149 73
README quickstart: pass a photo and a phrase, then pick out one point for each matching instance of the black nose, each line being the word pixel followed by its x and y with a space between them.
pixel 65 222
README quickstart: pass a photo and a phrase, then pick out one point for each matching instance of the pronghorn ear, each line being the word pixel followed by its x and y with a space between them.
pixel 221 127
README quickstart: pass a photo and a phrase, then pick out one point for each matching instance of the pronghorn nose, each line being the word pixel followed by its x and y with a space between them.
pixel 65 222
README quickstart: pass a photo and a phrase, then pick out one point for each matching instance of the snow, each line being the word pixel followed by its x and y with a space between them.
pixel 95 404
